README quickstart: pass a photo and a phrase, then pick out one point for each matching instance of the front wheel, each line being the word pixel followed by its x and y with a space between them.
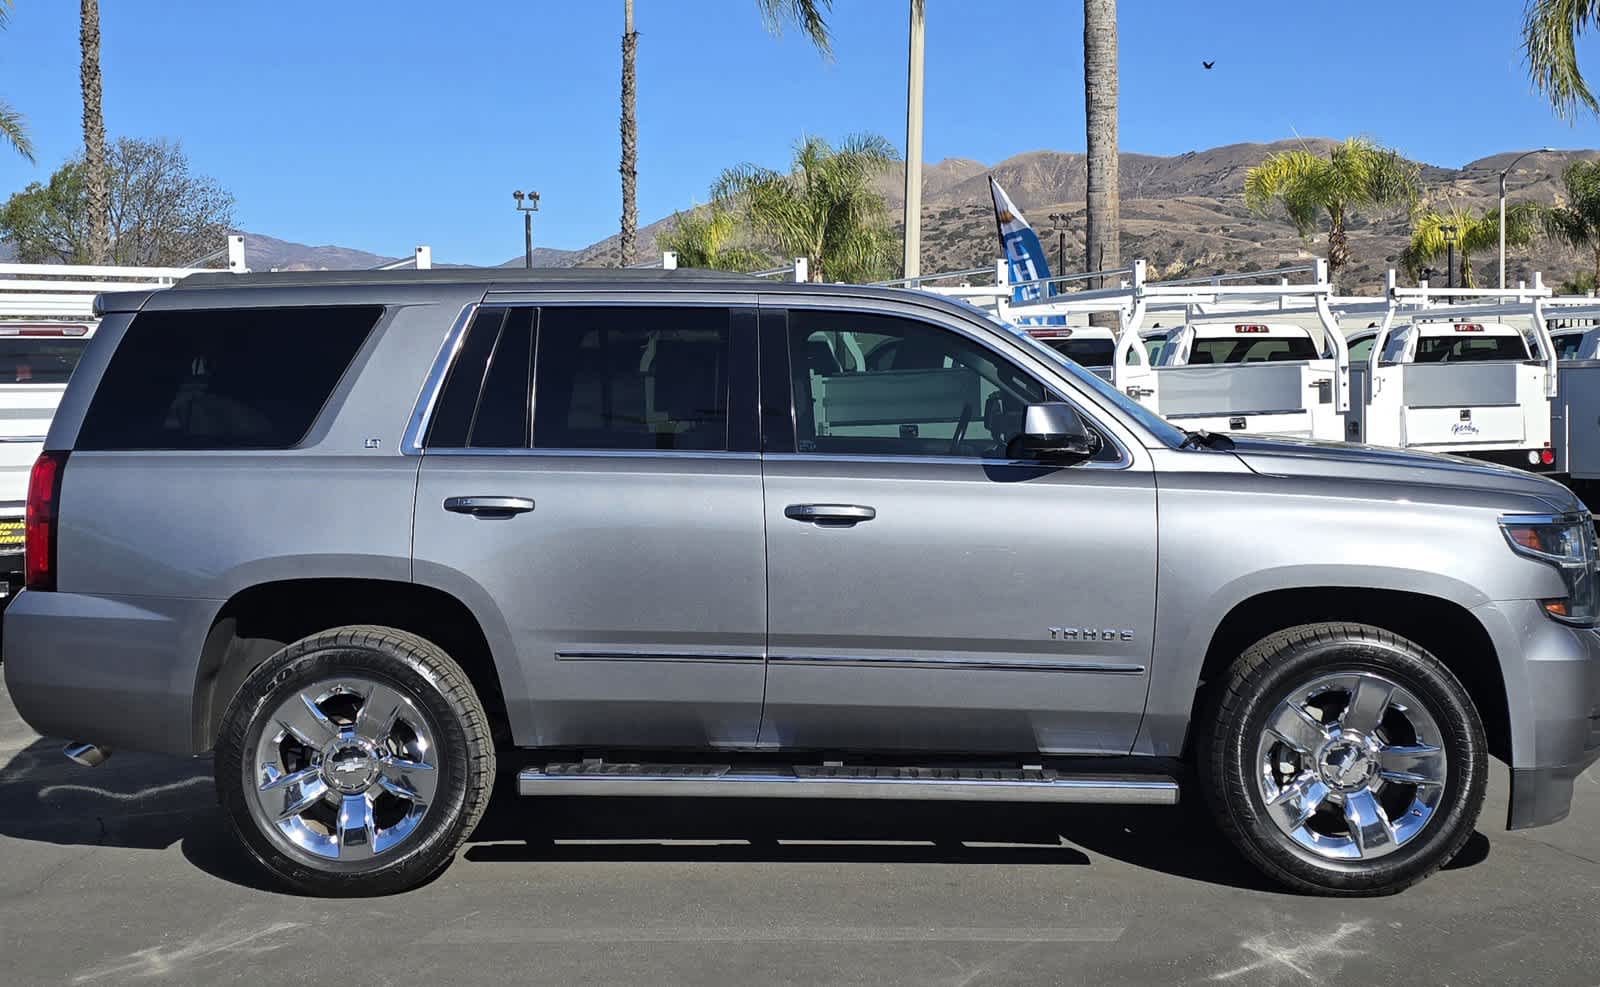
pixel 1344 759
pixel 355 762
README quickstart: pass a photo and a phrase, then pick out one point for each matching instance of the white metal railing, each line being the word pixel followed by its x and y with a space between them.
pixel 421 259
pixel 67 291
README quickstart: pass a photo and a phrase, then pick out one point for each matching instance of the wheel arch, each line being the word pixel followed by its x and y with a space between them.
pixel 1443 627
pixel 257 621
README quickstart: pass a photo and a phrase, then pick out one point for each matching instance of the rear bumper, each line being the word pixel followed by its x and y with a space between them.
pixel 114 671
pixel 1552 680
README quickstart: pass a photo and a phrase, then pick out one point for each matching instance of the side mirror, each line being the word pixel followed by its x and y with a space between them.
pixel 1054 432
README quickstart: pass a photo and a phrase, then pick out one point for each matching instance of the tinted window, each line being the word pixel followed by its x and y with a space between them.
pixel 632 378
pixel 1361 349
pixel 878 385
pixel 501 421
pixel 224 379
pixel 1089 352
pixel 1257 350
pixel 1466 348
pixel 452 415
pixel 1567 346
pixel 36 360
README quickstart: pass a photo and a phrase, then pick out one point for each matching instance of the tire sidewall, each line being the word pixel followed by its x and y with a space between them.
pixel 320 660
pixel 1462 739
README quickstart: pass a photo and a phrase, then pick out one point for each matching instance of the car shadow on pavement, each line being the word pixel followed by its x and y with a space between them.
pixel 152 802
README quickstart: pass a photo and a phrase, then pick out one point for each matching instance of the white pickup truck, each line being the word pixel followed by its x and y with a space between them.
pixel 1241 376
pixel 36 359
pixel 1466 387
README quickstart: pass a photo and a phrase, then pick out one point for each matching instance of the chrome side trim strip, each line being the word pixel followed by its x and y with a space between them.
pixel 651 656
pixel 817 457
pixel 598 453
pixel 417 427
pixel 961 664
pixel 776 784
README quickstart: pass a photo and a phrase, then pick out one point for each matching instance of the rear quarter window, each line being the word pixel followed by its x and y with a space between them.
pixel 253 378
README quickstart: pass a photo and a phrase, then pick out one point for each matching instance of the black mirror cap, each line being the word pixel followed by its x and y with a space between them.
pixel 1055 432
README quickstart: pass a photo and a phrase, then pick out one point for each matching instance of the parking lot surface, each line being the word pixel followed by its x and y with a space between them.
pixel 126 873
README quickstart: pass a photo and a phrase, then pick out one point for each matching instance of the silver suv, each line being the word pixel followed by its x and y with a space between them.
pixel 367 537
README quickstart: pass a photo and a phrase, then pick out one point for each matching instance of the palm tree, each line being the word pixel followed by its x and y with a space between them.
pixel 630 139
pixel 826 209
pixel 94 132
pixel 1102 234
pixel 1550 30
pixel 1576 221
pixel 1355 175
pixel 1474 232
pixel 705 238
pixel 809 14
pixel 12 129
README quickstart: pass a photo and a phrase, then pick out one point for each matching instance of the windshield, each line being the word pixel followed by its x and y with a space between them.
pixel 1469 349
pixel 1162 429
pixel 38 360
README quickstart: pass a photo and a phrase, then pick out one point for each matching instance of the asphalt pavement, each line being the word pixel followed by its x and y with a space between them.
pixel 126 874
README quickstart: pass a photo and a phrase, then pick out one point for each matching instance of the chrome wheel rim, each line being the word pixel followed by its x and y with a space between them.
pixel 344 770
pixel 1351 766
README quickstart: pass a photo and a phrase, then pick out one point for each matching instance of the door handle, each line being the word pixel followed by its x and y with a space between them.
pixel 488 507
pixel 830 514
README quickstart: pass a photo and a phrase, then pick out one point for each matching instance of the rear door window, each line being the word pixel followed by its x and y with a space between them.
pixel 248 378
pixel 633 378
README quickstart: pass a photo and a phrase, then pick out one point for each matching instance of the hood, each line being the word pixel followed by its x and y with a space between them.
pixel 1346 461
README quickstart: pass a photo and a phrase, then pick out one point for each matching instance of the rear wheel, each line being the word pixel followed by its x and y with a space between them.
pixel 1344 759
pixel 355 762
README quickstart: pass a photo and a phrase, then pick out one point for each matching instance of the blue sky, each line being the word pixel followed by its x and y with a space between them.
pixel 384 125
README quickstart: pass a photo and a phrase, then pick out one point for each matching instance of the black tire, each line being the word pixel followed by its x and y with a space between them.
pixel 1268 673
pixel 463 749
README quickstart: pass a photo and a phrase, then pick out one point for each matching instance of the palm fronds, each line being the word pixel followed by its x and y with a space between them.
pixel 810 15
pixel 824 209
pixel 13 130
pixel 1550 30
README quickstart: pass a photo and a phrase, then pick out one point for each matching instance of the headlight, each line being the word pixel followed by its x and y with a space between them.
pixel 1565 542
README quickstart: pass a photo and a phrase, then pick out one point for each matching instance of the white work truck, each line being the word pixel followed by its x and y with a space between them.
pixel 1242 376
pixel 1470 372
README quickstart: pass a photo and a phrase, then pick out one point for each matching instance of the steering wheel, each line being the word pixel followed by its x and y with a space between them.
pixel 961 429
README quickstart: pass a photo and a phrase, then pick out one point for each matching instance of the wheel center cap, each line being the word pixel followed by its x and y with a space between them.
pixel 350 766
pixel 1346 766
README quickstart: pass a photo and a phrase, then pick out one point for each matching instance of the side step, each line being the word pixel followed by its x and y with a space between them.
pixel 852 782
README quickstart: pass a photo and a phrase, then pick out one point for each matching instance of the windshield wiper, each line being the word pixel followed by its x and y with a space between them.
pixel 1200 438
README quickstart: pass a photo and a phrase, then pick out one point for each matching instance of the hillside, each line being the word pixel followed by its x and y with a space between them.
pixel 1186 213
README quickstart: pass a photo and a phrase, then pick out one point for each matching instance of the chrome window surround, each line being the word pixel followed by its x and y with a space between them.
pixel 411 443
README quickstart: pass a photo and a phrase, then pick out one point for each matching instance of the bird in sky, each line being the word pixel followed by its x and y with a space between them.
pixel 1208 64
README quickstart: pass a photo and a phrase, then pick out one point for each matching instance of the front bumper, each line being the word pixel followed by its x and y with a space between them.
pixel 1552 679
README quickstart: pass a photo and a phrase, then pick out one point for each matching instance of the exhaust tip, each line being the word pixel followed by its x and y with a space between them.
pixel 86 755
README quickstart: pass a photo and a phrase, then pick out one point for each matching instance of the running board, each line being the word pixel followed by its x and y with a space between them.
pixel 851 782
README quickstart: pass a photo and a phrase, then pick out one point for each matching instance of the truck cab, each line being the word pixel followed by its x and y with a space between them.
pixel 1467 387
pixel 1234 376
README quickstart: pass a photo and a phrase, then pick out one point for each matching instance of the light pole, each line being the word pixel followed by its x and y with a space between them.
pixel 527 204
pixel 1060 218
pixel 1503 175
pixel 1450 255
pixel 912 262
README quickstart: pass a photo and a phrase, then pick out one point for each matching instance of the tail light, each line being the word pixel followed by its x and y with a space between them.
pixel 39 527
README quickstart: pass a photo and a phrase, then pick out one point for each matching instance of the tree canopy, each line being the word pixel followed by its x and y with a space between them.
pixel 160 213
pixel 826 208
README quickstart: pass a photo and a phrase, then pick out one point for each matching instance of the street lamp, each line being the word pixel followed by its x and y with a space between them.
pixel 527 204
pixel 1060 219
pixel 1503 175
pixel 1450 258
